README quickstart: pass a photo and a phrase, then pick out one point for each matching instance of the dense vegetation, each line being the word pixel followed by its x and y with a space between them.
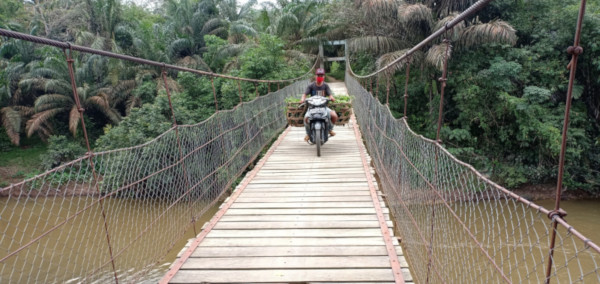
pixel 504 100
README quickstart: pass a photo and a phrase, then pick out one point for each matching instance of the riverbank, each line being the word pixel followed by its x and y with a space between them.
pixel 536 192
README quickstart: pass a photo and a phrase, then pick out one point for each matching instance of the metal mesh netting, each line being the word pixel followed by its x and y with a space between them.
pixel 457 226
pixel 140 203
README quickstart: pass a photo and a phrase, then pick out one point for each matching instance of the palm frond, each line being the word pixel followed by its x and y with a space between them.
pixel 220 32
pixel 180 48
pixel 231 50
pixel 100 101
pixel 51 101
pixel 231 65
pixel 492 32
pixel 212 25
pixel 377 7
pixel 455 31
pixel 287 22
pixel 74 119
pixel 299 56
pixel 85 38
pixel 194 62
pixel 173 85
pixel 308 41
pixel 237 38
pixel 313 22
pixel 12 120
pixel 415 15
pixel 377 44
pixel 32 84
pixel 388 58
pixel 58 65
pixel 242 28
pixel 131 103
pixel 25 111
pixel 44 73
pixel 38 120
pixel 435 55
pixel 58 87
pixel 99 43
pixel 246 9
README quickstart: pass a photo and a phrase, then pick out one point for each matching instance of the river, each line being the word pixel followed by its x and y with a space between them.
pixel 584 215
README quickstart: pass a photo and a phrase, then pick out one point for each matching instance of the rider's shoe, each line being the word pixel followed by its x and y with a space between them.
pixel 331 133
pixel 306 138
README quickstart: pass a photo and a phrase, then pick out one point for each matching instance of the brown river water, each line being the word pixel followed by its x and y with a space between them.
pixel 584 215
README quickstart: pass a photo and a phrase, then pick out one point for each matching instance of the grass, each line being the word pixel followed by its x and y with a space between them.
pixel 20 161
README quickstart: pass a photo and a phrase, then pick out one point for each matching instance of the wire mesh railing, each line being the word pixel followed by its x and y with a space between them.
pixel 456 225
pixel 116 218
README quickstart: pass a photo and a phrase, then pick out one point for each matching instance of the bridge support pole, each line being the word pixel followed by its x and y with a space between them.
pixel 90 155
pixel 443 80
pixel 183 167
pixel 575 51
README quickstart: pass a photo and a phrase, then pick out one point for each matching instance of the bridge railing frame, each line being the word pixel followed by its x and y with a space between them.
pixel 260 119
pixel 556 215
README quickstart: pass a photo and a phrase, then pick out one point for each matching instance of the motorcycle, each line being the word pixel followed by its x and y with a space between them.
pixel 318 117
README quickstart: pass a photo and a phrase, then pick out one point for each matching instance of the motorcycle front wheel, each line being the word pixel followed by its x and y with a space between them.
pixel 318 142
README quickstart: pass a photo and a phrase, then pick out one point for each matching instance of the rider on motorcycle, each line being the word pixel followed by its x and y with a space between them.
pixel 319 88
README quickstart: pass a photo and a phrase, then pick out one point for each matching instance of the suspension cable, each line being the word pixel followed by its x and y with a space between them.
pixel 66 45
pixel 461 17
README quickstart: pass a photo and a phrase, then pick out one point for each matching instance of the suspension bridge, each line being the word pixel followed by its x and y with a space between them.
pixel 383 204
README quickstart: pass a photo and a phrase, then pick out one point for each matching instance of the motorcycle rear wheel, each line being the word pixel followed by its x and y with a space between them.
pixel 318 142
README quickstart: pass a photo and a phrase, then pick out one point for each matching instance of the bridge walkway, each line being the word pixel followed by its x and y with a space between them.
pixel 297 217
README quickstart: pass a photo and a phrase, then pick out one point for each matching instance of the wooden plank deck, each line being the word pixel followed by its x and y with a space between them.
pixel 300 218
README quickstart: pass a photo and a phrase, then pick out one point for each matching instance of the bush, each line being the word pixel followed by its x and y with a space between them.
pixel 60 150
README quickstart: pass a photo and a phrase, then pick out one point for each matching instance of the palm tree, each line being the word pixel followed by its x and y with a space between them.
pixel 58 98
pixel 390 25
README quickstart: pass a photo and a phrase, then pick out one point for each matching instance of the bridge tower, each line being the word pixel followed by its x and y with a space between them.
pixel 322 57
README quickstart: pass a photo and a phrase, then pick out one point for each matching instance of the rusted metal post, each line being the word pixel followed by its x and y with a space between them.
pixel 256 88
pixel 406 87
pixel 443 80
pixel 90 155
pixel 439 141
pixel 177 136
pixel 575 51
pixel 268 87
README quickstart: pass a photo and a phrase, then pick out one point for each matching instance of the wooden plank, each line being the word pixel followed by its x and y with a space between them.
pixel 309 180
pixel 304 205
pixel 298 218
pixel 295 233
pixel 282 262
pixel 304 187
pixel 299 212
pixel 303 193
pixel 299 225
pixel 293 251
pixel 308 173
pixel 269 199
pixel 287 241
pixel 302 211
pixel 299 165
pixel 279 275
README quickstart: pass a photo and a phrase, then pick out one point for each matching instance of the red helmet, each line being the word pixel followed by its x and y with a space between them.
pixel 320 71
